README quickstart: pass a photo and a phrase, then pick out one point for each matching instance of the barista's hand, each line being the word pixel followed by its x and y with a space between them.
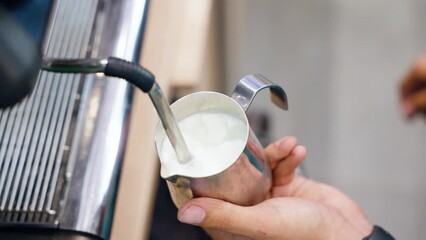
pixel 413 90
pixel 298 208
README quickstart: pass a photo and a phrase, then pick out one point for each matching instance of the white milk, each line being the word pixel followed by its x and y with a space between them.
pixel 214 139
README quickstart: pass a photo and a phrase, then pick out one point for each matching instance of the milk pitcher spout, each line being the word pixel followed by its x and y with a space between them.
pixel 228 162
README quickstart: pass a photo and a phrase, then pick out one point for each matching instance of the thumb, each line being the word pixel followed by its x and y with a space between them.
pixel 223 216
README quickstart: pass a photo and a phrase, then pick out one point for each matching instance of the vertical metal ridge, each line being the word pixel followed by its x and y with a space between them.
pixel 15 171
pixel 85 36
pixel 53 106
pixel 41 151
pixel 56 158
pixel 35 98
pixel 21 147
pixel 51 50
pixel 70 80
pixel 3 121
pixel 34 154
pixel 3 152
pixel 50 143
pixel 53 154
pixel 33 133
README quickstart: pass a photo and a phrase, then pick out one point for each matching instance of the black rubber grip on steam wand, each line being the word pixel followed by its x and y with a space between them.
pixel 132 72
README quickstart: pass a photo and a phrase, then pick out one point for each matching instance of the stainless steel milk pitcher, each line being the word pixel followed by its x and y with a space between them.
pixel 243 176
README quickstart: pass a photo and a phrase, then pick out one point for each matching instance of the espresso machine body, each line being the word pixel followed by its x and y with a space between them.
pixel 62 147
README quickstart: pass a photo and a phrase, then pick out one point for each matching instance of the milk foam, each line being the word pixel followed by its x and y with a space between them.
pixel 214 139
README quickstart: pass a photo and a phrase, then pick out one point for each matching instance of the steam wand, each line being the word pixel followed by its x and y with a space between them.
pixel 135 74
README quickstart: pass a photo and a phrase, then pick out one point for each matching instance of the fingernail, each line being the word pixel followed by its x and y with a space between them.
pixel 192 215
pixel 282 141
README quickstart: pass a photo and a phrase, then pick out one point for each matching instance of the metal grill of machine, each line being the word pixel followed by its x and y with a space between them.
pixel 61 148
pixel 33 141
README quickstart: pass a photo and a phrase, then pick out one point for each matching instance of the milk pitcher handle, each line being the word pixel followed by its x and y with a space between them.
pixel 250 85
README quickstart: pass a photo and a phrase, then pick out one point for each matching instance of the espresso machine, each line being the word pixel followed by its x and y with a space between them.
pixel 62 146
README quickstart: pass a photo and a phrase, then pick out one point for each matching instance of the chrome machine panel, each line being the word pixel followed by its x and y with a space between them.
pixel 61 149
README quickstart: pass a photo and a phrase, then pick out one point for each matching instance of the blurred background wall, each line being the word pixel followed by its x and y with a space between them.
pixel 340 63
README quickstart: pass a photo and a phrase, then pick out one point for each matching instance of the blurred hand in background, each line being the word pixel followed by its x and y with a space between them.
pixel 413 90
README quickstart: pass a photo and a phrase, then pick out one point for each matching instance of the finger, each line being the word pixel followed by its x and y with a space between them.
pixel 415 77
pixel 280 149
pixel 222 216
pixel 418 102
pixel 276 218
pixel 285 170
pixel 407 108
